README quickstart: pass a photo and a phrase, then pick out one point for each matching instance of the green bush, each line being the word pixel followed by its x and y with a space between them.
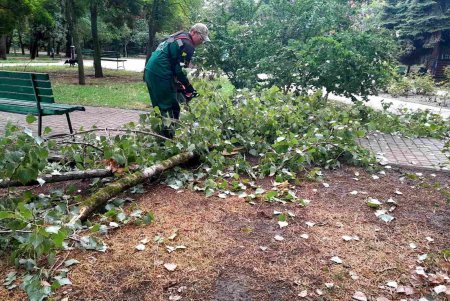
pixel 414 85
pixel 423 85
pixel 400 87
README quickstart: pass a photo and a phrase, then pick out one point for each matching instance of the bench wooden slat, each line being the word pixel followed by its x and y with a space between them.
pixel 18 89
pixel 41 84
pixel 27 107
pixel 24 75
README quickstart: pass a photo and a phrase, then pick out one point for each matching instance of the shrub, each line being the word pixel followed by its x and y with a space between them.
pixel 423 85
pixel 400 87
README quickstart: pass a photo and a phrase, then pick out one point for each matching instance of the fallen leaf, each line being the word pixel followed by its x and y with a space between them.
pixel 326 185
pixel 392 284
pixel 374 203
pixel 144 241
pixel 349 238
pixel 360 296
pixel 398 192
pixel 336 259
pixel 429 239
pixel 421 271
pixel 375 177
pixel 140 247
pixel 386 218
pixel 412 245
pixel 263 248
pixel 279 237
pixel 283 224
pixel 170 266
pixel 303 294
pixel 353 275
pixel 440 289
pixel 422 257
pixel 329 284
pixel 305 236
pixel 310 224
pixel 113 225
pixel 319 292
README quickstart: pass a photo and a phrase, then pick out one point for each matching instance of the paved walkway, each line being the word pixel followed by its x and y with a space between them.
pixel 390 149
pixel 93 116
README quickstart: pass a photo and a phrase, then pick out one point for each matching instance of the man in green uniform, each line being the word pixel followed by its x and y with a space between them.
pixel 163 72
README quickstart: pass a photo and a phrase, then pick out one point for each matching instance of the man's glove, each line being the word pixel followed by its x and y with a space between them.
pixel 190 93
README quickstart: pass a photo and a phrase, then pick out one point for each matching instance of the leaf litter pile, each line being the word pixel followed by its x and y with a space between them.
pixel 354 236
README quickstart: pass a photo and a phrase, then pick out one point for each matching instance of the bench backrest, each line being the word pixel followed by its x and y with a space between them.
pixel 114 54
pixel 26 86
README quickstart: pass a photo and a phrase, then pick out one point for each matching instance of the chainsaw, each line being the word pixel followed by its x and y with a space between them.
pixel 187 95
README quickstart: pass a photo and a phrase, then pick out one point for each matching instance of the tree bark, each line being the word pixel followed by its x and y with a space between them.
pixel 67 176
pixel 95 39
pixel 22 46
pixel 102 196
pixel 8 44
pixel 73 27
pixel 3 47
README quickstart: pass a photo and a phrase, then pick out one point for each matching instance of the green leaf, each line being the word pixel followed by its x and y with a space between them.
pixel 52 229
pixel 64 281
pixel 30 119
pixel 271 194
pixel 6 214
pixel 26 213
pixel 70 262
pixel 148 218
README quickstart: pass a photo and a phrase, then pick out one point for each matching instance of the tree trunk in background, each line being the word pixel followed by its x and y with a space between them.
pixel 95 39
pixel 153 22
pixel 8 44
pixel 33 47
pixel 73 28
pixel 22 46
pixel 3 47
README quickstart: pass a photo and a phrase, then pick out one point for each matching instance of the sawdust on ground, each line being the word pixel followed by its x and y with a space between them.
pixel 231 253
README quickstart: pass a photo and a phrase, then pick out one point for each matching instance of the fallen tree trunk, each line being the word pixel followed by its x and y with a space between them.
pixel 66 176
pixel 102 196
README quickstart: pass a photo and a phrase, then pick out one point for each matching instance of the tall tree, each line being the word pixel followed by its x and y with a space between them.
pixel 11 11
pixel 95 39
pixel 420 25
pixel 73 12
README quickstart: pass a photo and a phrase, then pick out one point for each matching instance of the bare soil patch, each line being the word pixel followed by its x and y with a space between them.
pixel 231 253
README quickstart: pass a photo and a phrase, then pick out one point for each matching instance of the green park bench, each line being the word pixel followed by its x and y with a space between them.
pixel 31 93
pixel 111 56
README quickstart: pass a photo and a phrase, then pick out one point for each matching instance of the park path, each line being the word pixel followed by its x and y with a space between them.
pixel 390 149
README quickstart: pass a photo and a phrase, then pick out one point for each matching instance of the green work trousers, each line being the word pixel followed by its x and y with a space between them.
pixel 163 95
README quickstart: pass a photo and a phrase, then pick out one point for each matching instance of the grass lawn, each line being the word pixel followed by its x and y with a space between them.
pixel 118 89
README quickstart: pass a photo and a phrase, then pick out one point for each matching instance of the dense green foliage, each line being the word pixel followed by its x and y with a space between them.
pixel 302 45
pixel 418 25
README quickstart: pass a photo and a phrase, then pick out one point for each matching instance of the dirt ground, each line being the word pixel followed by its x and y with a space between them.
pixel 231 252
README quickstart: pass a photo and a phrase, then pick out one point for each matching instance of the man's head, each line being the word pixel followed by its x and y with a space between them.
pixel 199 33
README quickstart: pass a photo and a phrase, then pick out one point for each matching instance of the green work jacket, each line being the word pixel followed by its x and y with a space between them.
pixel 166 60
